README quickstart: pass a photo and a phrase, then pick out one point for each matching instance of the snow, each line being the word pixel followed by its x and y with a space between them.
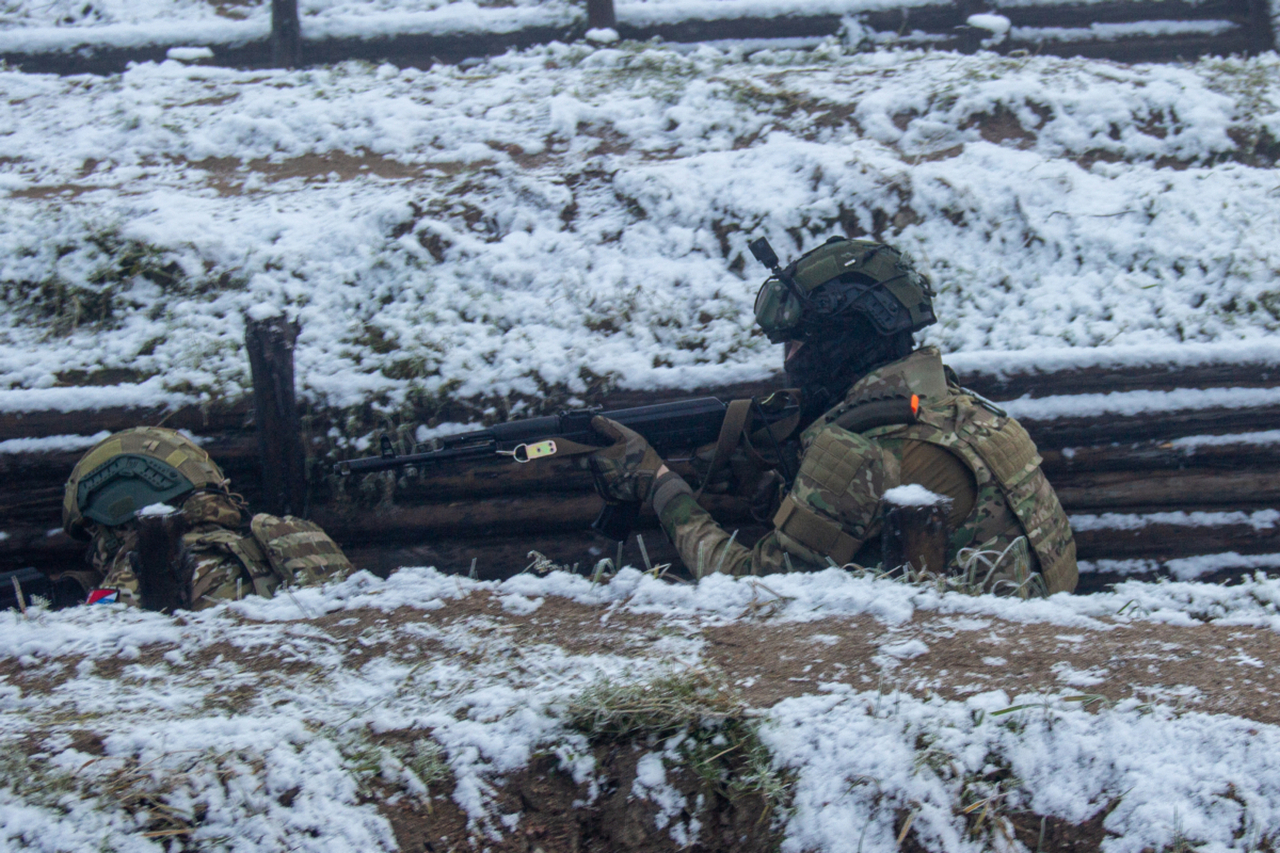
pixel 51 444
pixel 995 24
pixel 1140 402
pixel 1111 32
pixel 913 494
pixel 854 754
pixel 534 226
pixel 1264 519
pixel 189 54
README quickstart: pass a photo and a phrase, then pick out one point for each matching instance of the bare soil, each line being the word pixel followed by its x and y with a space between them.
pixel 1206 667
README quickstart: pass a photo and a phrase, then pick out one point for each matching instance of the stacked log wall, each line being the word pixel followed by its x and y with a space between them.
pixel 1147 488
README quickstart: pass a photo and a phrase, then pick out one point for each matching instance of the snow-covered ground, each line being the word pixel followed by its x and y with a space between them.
pixel 532 224
pixel 285 724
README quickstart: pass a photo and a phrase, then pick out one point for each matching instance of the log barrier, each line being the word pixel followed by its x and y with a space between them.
pixel 1152 487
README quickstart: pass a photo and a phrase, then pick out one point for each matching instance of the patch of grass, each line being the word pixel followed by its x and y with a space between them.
pixel 411 762
pixel 721 745
pixel 1004 572
pixel 92 281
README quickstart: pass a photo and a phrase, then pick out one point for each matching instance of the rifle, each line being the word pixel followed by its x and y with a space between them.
pixel 668 427
pixel 32 582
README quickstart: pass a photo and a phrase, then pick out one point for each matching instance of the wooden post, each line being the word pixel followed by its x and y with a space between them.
pixel 600 15
pixel 284 479
pixel 286 34
pixel 914 530
pixel 164 581
pixel 1264 27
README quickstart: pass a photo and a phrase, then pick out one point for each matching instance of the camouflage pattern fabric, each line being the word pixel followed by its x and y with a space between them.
pixel 299 551
pixel 226 565
pixel 217 560
pixel 832 514
pixel 627 470
pixel 166 445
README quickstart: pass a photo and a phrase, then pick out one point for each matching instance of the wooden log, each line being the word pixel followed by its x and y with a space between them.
pixel 421 50
pixel 1241 453
pixel 286 34
pixel 1084 14
pixel 1148 426
pixel 1166 540
pixel 231 417
pixel 999 385
pixel 1262 23
pixel 783 26
pixel 1144 48
pixel 600 15
pixel 1100 578
pixel 199 420
pixel 1155 490
pixel 284 478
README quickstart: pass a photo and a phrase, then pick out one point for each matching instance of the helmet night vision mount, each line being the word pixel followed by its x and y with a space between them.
pixel 862 276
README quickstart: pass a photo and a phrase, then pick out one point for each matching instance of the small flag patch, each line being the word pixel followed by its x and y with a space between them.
pixel 103 596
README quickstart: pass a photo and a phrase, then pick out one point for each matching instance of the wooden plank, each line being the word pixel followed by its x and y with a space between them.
pixel 999 385
pixel 1102 580
pixel 285 48
pixel 89 58
pixel 421 50
pixel 1161 455
pixel 1084 14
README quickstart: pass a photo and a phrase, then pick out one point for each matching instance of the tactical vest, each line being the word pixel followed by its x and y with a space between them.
pixel 275 551
pixel 998 451
pixel 280 552
pixel 994 446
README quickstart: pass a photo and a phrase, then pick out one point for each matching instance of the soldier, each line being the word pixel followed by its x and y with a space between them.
pixel 148 470
pixel 881 413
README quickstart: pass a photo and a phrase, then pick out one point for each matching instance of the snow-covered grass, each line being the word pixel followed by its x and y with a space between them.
pixel 280 724
pixel 566 217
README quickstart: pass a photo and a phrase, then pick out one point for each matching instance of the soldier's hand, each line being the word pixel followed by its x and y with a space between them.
pixel 628 469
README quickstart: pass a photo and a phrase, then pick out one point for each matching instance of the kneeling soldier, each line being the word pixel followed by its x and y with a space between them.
pixel 210 555
pixel 846 312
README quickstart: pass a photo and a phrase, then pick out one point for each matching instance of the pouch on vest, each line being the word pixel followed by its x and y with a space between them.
pixel 300 551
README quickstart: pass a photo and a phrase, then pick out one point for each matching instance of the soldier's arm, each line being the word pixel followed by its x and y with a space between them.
pixel 832 509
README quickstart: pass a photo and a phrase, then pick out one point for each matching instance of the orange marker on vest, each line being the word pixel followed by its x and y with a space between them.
pixel 915 405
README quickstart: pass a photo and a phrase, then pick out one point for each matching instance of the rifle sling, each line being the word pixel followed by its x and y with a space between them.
pixel 735 420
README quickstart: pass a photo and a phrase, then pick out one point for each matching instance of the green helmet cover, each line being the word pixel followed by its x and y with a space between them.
pixel 111 493
pixel 130 470
pixel 900 298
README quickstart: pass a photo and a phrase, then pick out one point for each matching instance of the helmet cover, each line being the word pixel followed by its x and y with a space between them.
pixel 130 470
pixel 886 288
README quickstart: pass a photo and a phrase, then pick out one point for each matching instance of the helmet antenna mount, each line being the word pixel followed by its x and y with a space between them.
pixel 765 254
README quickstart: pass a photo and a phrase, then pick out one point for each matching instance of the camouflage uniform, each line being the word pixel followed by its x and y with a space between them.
pixel 960 446
pixel 221 560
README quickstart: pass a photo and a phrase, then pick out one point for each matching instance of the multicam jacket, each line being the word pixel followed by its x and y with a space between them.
pixel 960 446
pixel 225 564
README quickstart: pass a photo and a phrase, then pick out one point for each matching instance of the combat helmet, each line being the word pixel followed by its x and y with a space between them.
pixel 877 281
pixel 131 470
